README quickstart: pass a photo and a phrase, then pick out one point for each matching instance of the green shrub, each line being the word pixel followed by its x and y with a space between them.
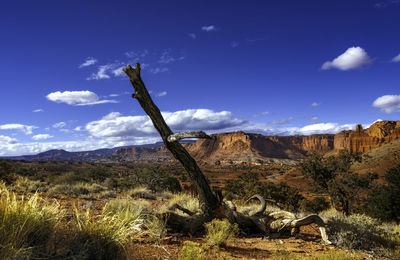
pixel 315 205
pixel 103 237
pixel 219 232
pixel 249 184
pixel 191 251
pixel 26 225
pixel 185 200
pixel 384 200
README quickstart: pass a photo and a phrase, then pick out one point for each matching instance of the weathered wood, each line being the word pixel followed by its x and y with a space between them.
pixel 183 135
pixel 209 201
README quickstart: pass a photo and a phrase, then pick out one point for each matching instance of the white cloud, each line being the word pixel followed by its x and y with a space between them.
pixel 234 44
pixel 101 72
pixel 118 71
pixel 352 58
pixel 322 128
pixel 5 140
pixel 77 98
pixel 41 137
pixel 26 129
pixel 78 128
pixel 387 103
pixel 116 125
pixel 65 131
pixel 59 125
pixel 192 35
pixel 396 59
pixel 209 28
pixel 315 104
pixel 161 94
pixel 88 62
pixel 314 118
pixel 38 110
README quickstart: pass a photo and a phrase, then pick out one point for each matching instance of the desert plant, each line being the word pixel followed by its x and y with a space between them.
pixel 384 200
pixel 219 232
pixel 155 228
pixel 103 237
pixel 315 205
pixel 130 210
pixel 185 200
pixel 26 225
pixel 332 175
pixel 191 251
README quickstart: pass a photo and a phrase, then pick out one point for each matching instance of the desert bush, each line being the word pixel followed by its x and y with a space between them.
pixel 103 237
pixel 141 192
pixel 219 232
pixel 249 184
pixel 155 228
pixel 332 175
pixel 363 232
pixel 384 200
pixel 6 169
pixel 185 200
pixel 26 225
pixel 70 190
pixel 23 184
pixel 191 251
pixel 130 210
pixel 315 205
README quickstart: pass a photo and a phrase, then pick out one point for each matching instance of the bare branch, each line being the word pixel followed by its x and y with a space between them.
pixel 183 135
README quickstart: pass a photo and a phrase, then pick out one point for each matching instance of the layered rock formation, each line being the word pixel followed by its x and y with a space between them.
pixel 362 140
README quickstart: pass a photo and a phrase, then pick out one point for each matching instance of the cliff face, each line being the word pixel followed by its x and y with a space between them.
pixel 244 147
pixel 362 140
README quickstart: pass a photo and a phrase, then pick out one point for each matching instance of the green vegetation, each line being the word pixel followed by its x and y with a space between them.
pixel 191 251
pixel 26 224
pixel 384 200
pixel 332 175
pixel 220 232
pixel 249 184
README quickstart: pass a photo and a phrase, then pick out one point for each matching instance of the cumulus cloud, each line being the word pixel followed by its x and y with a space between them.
pixel 77 98
pixel 396 59
pixel 88 62
pixel 321 128
pixel 208 28
pixel 116 125
pixel 26 129
pixel 315 104
pixel 387 103
pixel 352 58
pixel 5 140
pixel 38 110
pixel 41 137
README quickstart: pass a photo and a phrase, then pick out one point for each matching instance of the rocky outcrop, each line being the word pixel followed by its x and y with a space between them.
pixel 362 140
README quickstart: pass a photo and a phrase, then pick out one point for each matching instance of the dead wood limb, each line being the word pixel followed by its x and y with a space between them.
pixel 209 201
pixel 177 206
pixel 183 135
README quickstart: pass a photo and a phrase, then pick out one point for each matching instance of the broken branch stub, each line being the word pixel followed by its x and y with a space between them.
pixel 209 200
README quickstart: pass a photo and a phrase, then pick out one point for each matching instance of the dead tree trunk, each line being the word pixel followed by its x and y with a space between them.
pixel 208 199
pixel 212 205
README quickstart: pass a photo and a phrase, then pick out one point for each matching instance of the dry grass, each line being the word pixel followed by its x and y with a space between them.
pixel 26 224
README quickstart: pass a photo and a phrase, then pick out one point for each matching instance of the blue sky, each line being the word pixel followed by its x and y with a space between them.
pixel 271 67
